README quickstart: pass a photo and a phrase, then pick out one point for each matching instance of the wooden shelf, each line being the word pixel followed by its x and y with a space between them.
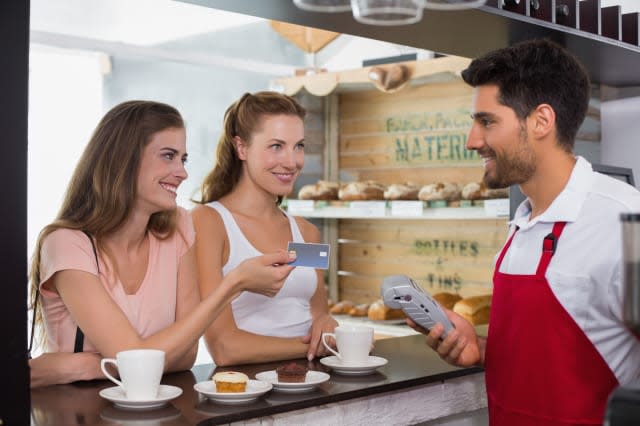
pixel 492 209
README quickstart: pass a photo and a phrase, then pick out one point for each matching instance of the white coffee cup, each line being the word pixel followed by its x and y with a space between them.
pixel 140 371
pixel 354 343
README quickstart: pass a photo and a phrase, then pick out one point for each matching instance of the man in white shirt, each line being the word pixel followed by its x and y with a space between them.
pixel 557 345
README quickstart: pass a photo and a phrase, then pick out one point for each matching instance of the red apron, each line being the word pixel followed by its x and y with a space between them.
pixel 541 369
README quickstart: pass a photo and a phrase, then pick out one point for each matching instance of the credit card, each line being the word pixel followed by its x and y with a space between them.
pixel 310 254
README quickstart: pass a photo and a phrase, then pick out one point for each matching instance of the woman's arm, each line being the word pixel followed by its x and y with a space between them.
pixel 187 298
pixel 64 367
pixel 227 344
pixel 107 327
pixel 322 321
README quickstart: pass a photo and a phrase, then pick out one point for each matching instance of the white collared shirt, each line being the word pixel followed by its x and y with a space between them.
pixel 585 272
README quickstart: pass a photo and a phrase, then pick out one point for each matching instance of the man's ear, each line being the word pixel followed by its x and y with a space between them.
pixel 241 148
pixel 542 120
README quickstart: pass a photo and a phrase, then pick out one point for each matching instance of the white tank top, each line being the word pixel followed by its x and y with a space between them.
pixel 287 314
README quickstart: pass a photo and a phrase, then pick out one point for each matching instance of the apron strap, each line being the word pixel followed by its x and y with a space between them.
pixel 549 245
pixel 504 250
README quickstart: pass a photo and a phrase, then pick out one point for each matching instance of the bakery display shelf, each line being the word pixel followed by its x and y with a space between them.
pixel 488 209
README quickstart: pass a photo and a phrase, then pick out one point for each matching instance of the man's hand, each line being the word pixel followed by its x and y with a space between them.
pixel 461 347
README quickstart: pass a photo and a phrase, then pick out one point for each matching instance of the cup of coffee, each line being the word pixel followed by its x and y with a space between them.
pixel 140 371
pixel 354 343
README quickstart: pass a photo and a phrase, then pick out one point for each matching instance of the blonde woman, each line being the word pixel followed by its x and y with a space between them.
pixel 259 156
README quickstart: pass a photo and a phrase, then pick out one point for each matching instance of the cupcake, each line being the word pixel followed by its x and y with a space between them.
pixel 292 373
pixel 230 381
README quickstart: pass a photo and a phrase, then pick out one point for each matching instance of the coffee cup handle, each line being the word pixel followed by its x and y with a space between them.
pixel 105 361
pixel 329 348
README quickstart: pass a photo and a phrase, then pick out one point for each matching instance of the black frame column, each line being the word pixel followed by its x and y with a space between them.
pixel 14 78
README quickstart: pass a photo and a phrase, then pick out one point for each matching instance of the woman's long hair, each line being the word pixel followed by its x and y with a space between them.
pixel 102 191
pixel 242 119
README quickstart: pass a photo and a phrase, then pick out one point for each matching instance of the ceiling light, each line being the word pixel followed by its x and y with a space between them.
pixel 324 5
pixel 387 12
pixel 453 4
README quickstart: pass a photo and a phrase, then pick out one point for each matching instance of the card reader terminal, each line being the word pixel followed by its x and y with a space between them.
pixel 401 292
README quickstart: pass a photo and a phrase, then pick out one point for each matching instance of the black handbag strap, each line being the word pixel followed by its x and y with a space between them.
pixel 79 341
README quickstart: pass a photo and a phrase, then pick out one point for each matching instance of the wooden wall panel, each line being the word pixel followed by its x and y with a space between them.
pixel 442 255
pixel 417 134
pixel 419 128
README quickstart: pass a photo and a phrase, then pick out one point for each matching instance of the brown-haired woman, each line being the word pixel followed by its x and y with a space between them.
pixel 116 269
pixel 259 157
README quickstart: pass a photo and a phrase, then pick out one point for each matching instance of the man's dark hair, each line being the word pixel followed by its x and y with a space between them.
pixel 536 72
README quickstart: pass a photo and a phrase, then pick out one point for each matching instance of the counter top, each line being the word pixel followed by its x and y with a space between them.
pixel 411 365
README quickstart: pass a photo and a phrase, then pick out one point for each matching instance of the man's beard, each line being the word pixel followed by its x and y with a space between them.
pixel 511 168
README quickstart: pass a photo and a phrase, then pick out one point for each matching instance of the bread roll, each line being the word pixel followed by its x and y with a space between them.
pixel 342 307
pixel 473 191
pixel 356 191
pixel 496 193
pixel 447 300
pixel 402 191
pixel 439 192
pixel 474 309
pixel 478 191
pixel 359 310
pixel 323 190
pixel 379 311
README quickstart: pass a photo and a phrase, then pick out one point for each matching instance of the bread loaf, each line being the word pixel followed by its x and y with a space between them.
pixel 379 311
pixel 473 191
pixel 402 191
pixel 359 310
pixel 323 190
pixel 447 300
pixel 342 307
pixel 474 309
pixel 355 191
pixel 439 192
pixel 478 191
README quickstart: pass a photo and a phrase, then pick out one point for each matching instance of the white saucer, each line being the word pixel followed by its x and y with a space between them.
pixel 255 388
pixel 354 369
pixel 313 379
pixel 116 395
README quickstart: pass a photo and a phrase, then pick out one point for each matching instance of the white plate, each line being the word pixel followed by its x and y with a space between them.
pixel 255 388
pixel 354 369
pixel 116 395
pixel 313 379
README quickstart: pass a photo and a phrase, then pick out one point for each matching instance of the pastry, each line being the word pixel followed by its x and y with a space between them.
pixel 230 381
pixel 496 193
pixel 292 373
pixel 379 311
pixel 323 190
pixel 402 191
pixel 473 191
pixel 355 191
pixel 439 192
pixel 478 191
pixel 342 307
pixel 474 309
pixel 447 300
pixel 359 310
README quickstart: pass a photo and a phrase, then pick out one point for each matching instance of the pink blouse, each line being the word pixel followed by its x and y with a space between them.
pixel 151 309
